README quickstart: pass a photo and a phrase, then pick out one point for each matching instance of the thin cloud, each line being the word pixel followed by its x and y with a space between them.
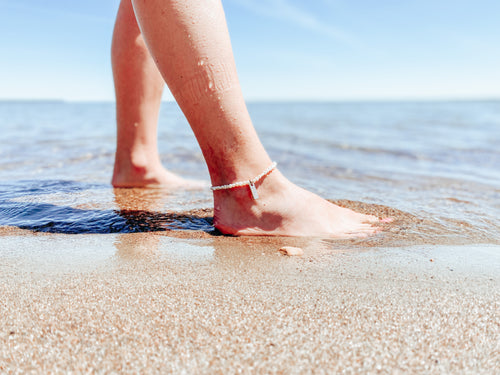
pixel 285 10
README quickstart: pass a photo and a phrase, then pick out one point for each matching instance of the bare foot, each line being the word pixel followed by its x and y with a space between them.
pixel 285 209
pixel 153 175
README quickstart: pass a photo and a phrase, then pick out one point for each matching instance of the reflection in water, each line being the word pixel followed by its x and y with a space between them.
pixel 155 248
pixel 152 200
pixel 144 221
pixel 142 211
pixel 136 246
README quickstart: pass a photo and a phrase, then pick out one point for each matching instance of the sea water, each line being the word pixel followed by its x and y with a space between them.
pixel 437 164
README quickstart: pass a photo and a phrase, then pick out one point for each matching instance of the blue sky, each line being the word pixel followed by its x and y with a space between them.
pixel 284 49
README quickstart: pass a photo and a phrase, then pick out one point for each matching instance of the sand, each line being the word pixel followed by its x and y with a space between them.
pixel 151 303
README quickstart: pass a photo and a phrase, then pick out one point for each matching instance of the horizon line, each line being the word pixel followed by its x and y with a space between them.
pixel 277 100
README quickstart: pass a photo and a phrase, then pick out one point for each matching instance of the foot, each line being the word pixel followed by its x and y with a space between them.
pixel 151 176
pixel 284 209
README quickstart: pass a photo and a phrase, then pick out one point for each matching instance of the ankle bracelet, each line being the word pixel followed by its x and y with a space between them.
pixel 250 183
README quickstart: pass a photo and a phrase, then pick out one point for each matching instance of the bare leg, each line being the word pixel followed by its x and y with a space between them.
pixel 190 43
pixel 139 87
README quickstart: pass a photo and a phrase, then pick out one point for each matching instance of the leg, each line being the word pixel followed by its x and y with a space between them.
pixel 139 87
pixel 190 43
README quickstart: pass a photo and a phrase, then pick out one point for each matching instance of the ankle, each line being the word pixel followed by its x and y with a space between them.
pixel 250 183
pixel 268 188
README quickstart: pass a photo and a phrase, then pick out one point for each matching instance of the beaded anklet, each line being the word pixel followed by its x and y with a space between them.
pixel 250 183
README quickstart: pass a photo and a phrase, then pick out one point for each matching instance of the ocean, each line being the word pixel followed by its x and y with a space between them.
pixel 433 165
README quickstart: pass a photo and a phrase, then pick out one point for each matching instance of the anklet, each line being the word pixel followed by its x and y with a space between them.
pixel 249 183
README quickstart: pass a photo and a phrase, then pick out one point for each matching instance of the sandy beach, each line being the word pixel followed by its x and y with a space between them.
pixel 152 303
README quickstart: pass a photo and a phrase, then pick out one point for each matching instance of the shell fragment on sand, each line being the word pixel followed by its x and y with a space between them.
pixel 291 251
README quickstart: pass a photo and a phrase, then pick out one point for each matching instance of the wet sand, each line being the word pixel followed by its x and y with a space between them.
pixel 153 303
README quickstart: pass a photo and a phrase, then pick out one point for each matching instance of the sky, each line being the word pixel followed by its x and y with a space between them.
pixel 284 49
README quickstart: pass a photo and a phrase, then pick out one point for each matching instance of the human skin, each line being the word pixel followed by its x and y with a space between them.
pixel 138 88
pixel 190 44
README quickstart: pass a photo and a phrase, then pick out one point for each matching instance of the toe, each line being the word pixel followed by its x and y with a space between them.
pixel 370 219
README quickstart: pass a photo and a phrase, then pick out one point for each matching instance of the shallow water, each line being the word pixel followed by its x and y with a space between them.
pixel 433 166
